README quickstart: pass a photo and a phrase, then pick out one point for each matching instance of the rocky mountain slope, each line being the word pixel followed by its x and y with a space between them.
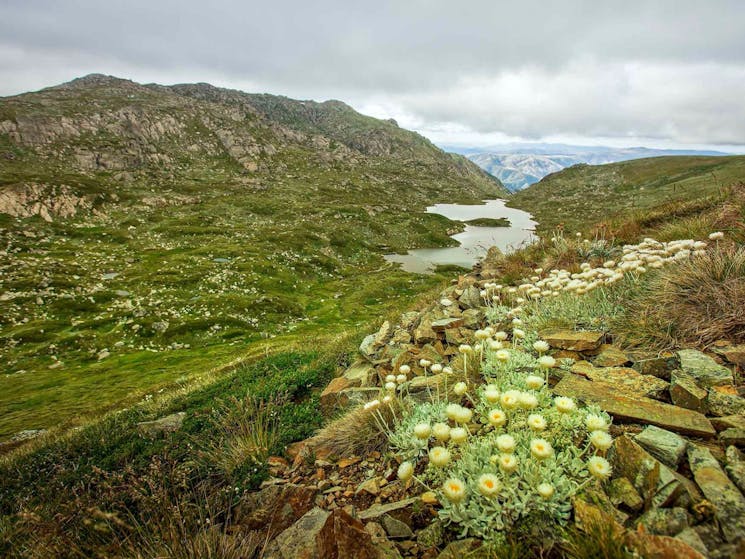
pixel 146 231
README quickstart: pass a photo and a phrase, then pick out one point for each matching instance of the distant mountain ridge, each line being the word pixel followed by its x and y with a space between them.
pixel 520 165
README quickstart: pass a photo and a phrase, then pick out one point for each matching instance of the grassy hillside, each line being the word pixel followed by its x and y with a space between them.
pixel 148 234
pixel 583 195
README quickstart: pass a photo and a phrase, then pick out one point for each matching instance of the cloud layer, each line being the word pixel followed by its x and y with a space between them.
pixel 670 72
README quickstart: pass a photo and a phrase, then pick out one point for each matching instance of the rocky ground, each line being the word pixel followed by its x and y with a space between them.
pixel 678 468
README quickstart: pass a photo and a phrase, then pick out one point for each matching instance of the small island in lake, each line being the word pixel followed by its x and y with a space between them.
pixel 489 222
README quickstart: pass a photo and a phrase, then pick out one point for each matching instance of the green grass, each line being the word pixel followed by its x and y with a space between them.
pixel 489 222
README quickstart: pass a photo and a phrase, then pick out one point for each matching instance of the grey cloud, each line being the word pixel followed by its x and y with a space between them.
pixel 527 69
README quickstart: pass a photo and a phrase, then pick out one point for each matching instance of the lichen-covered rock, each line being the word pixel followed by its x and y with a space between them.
pixel 165 424
pixel 573 340
pixel 724 400
pixel 664 522
pixel 686 393
pixel 610 356
pixel 628 380
pixel 664 445
pixel 660 366
pixel 637 409
pixel 729 503
pixel 736 467
pixel 704 369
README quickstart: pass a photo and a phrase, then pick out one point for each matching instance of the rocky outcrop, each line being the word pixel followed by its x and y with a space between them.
pixel 46 201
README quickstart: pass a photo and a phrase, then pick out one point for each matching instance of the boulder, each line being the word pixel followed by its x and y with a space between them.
pixel 386 547
pixel 733 436
pixel 572 340
pixel 736 467
pixel 442 324
pixel 473 319
pixel 299 541
pixel 628 380
pixel 729 503
pixel 622 492
pixel 359 373
pixel 664 445
pixel 610 356
pixel 471 298
pixel 424 334
pixel 704 369
pixel 167 424
pixel 724 400
pixel 372 343
pixel 660 366
pixel 684 392
pixel 734 354
pixel 736 421
pixel 637 409
pixel 395 528
pixel 275 508
pixel 664 522
pixel 344 537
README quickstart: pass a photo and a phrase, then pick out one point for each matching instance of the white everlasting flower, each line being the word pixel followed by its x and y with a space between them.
pixel 517 322
pixel 372 404
pixel 495 345
pixel 510 399
pixel 452 410
pixel 541 449
pixel 460 388
pixel 502 355
pixel 565 404
pixel 545 490
pixel 387 398
pixel 506 443
pixel 441 431
pixel 404 369
pixel 458 435
pixel 534 382
pixel 447 370
pixel 436 368
pixel 400 379
pixel 716 236
pixel 489 485
pixel 454 489
pixel 422 431
pixel 601 440
pixel 528 401
pixel 439 456
pixel 405 471
pixel 424 363
pixel 507 463
pixel 465 349
pixel 599 467
pixel 481 334
pixel 500 336
pixel 541 346
pixel 463 416
pixel 596 423
pixel 517 333
pixel 491 394
pixel 390 378
pixel 536 422
pixel 546 362
pixel 497 417
pixel 390 386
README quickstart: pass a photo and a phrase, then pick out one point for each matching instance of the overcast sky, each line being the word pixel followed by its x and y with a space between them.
pixel 655 73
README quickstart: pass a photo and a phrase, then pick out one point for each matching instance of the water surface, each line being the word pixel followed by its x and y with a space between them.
pixel 474 241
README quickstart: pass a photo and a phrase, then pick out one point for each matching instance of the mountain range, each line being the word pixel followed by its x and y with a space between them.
pixel 520 165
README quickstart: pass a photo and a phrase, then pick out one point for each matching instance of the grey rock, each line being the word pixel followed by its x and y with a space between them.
pixel 378 510
pixel 622 492
pixel 660 367
pixel 704 369
pixel 299 540
pixel 664 522
pixel 161 326
pixel 471 298
pixel 669 448
pixel 443 324
pixel 431 536
pixel 395 528
pixel 733 436
pixel 473 319
pixel 690 537
pixel 729 503
pixel 736 467
pixel 723 403
pixel 165 424
pixel 736 421
pixel 359 373
pixel 27 435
